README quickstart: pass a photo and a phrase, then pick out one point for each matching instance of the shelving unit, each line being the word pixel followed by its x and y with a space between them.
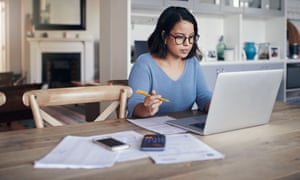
pixel 238 20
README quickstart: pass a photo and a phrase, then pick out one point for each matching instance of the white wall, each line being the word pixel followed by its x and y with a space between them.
pixel 115 42
pixel 14 54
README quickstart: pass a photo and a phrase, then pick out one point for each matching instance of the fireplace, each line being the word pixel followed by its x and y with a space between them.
pixel 57 62
pixel 60 69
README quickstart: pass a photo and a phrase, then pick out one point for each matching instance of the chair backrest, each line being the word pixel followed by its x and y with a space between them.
pixel 2 98
pixel 118 82
pixel 117 95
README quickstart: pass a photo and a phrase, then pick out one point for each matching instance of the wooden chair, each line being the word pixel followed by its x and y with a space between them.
pixel 118 82
pixel 117 95
pixel 2 98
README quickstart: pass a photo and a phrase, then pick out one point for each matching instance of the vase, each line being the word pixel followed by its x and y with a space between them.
pixel 220 49
pixel 250 50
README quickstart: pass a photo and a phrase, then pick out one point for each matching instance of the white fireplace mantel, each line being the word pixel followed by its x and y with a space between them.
pixel 38 46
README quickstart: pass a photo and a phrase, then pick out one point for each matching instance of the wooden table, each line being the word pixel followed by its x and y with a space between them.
pixel 264 152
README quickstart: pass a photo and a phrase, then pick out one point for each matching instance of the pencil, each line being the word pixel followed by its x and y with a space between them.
pixel 141 92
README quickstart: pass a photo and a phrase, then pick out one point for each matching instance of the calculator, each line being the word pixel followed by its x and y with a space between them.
pixel 153 142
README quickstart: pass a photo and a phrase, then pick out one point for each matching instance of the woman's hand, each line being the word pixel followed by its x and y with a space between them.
pixel 150 106
pixel 152 103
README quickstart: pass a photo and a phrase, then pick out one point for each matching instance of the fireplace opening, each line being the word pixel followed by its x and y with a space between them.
pixel 60 69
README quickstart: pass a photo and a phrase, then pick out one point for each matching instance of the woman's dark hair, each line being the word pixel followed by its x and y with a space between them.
pixel 165 23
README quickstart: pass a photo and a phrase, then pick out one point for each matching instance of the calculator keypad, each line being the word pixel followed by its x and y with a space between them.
pixel 153 142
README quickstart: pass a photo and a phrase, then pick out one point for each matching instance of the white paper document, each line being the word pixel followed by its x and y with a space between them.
pixel 157 124
pixel 81 152
pixel 77 152
pixel 184 148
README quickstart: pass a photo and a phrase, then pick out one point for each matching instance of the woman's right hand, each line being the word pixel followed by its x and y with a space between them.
pixel 152 103
pixel 150 106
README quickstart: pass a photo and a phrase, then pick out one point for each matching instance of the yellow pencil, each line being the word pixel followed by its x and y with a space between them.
pixel 147 94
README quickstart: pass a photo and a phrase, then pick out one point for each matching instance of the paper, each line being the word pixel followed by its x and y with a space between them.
pixel 81 152
pixel 184 148
pixel 157 124
pixel 77 152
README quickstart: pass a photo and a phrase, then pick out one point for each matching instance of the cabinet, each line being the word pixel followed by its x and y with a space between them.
pixel 186 3
pixel 255 7
pixel 207 6
pixel 292 83
pixel 146 4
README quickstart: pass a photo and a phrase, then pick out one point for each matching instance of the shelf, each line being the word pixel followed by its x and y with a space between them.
pixel 292 61
pixel 293 100
pixel 293 90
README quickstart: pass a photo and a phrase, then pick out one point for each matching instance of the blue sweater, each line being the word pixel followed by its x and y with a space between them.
pixel 189 88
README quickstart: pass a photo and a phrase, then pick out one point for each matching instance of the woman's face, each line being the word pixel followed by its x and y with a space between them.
pixel 180 40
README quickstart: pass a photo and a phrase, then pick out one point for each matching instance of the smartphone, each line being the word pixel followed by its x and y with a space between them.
pixel 111 144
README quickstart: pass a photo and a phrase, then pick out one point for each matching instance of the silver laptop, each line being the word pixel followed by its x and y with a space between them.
pixel 240 100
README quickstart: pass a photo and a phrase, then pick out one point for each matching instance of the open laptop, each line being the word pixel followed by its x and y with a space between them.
pixel 240 100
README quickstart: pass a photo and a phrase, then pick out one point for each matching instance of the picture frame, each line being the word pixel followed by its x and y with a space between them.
pixel 274 52
pixel 211 55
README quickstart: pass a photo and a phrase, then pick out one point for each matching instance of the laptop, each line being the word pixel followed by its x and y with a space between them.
pixel 240 100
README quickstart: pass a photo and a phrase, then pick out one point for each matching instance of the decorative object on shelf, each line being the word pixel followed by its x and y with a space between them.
pixel 274 52
pixel 294 50
pixel 263 51
pixel 44 35
pixel 250 50
pixel 67 35
pixel 211 55
pixel 221 46
pixel 229 54
pixel 29 26
pixel 293 38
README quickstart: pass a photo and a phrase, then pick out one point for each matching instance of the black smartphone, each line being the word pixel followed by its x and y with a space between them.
pixel 112 144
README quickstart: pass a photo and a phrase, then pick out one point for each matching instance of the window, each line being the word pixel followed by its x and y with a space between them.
pixel 3 40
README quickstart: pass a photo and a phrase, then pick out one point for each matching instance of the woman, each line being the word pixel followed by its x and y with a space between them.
pixel 170 69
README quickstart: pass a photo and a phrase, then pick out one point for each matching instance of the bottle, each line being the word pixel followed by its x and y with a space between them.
pixel 220 49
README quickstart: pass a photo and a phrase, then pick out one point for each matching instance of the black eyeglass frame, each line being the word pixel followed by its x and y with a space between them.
pixel 191 39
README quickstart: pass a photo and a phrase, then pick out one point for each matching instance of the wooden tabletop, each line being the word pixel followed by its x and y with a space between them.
pixel 269 151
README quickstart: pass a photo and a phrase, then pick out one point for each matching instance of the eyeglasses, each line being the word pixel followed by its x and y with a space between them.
pixel 180 39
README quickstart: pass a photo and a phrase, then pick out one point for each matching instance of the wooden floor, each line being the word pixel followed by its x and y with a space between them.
pixel 71 114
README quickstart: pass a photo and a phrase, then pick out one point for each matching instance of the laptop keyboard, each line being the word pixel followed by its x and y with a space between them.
pixel 199 125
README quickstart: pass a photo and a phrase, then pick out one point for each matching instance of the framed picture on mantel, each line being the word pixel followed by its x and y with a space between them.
pixel 274 52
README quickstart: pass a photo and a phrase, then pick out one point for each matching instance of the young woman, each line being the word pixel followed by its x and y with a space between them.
pixel 170 69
